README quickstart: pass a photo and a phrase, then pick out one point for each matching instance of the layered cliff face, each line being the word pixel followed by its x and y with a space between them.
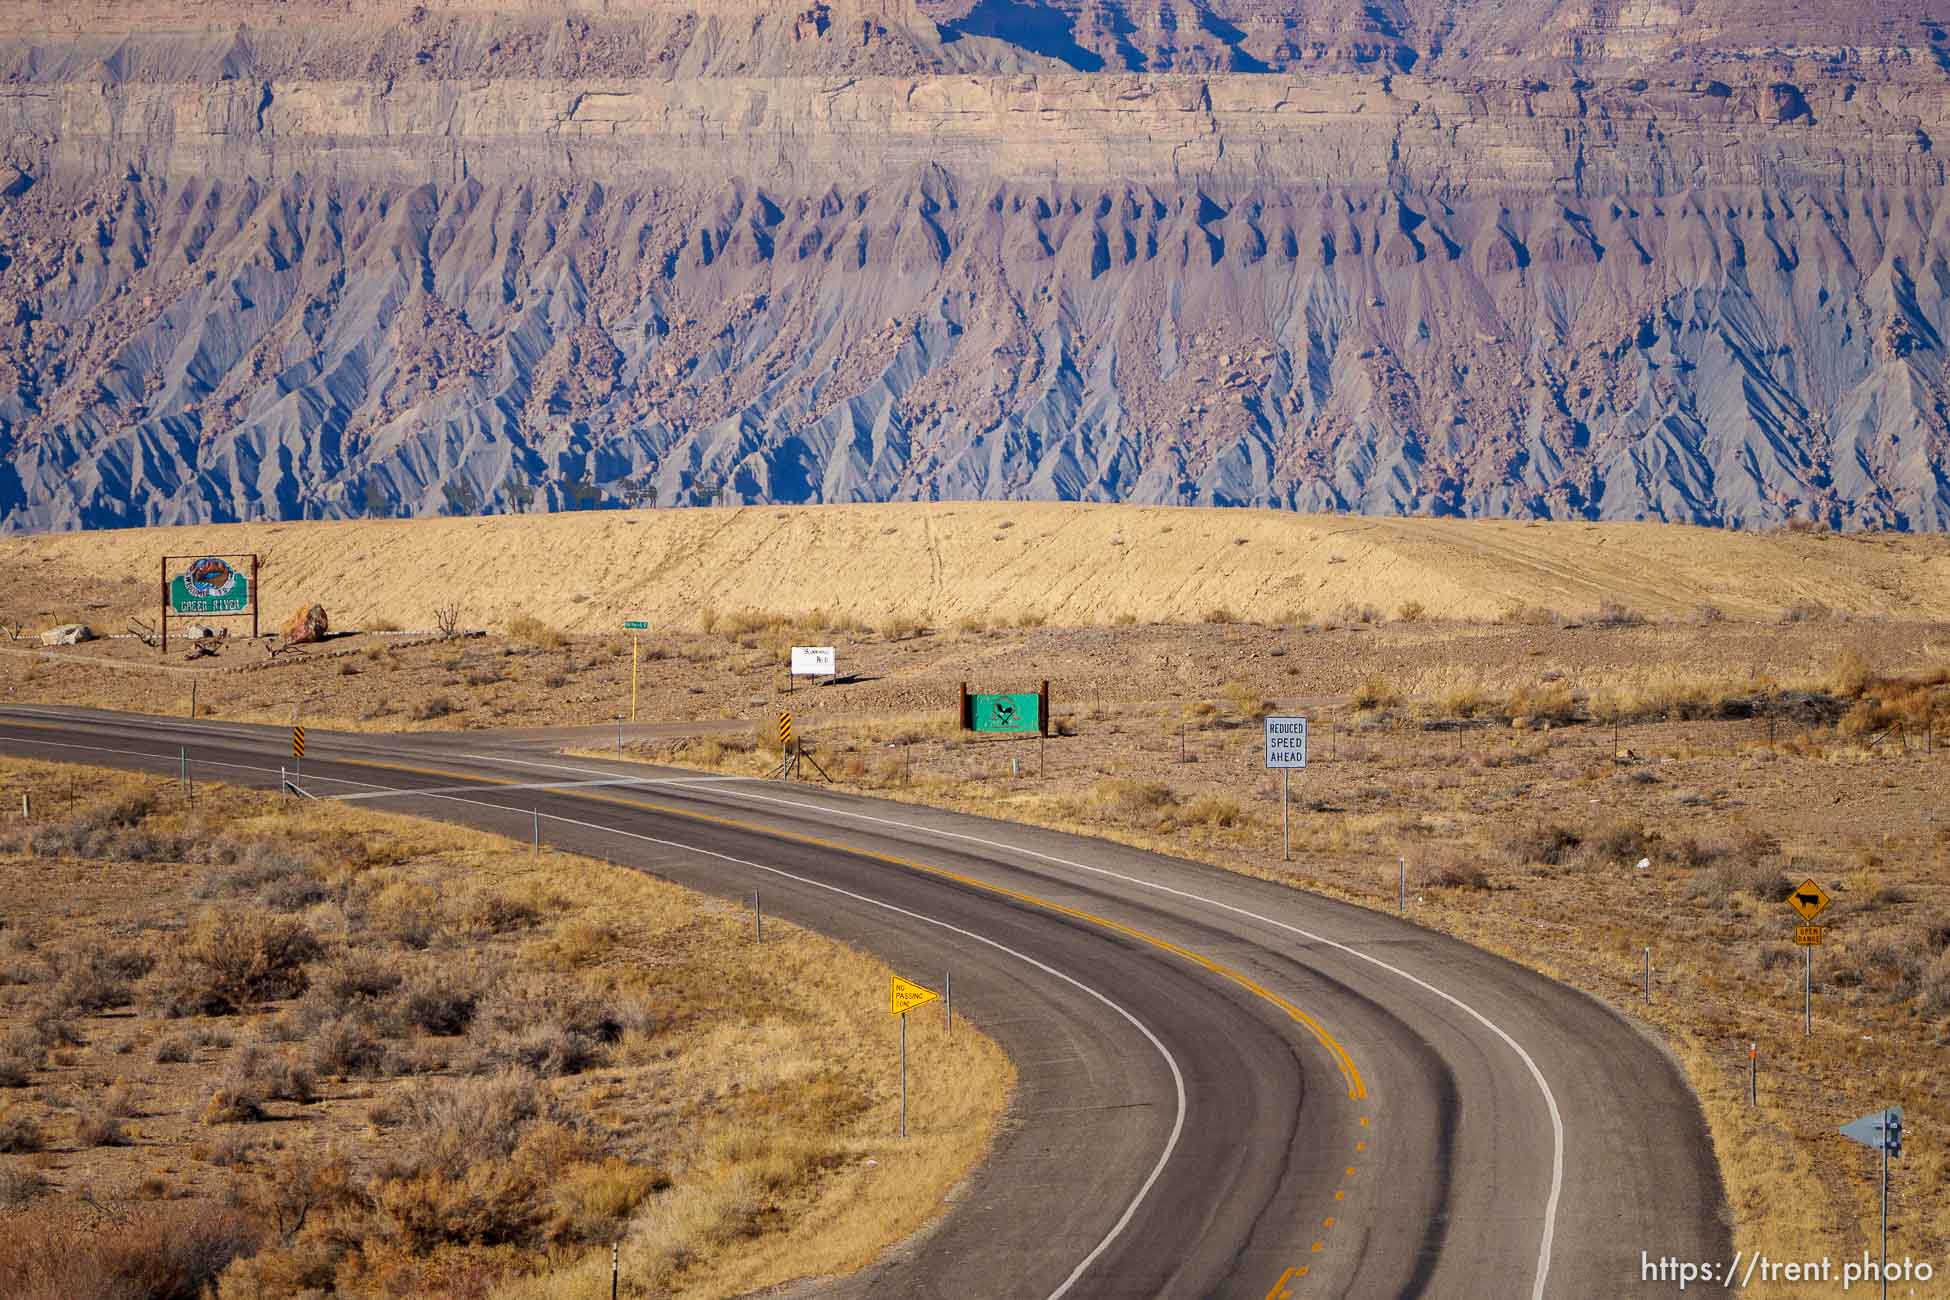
pixel 1541 260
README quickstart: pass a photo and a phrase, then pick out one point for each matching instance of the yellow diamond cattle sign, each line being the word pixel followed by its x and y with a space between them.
pixel 1809 899
pixel 908 995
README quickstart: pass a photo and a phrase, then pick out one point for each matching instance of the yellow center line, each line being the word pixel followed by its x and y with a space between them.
pixel 1356 1087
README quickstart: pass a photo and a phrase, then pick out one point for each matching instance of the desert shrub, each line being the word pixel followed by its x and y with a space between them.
pixel 1933 994
pixel 550 1051
pixel 1132 800
pixel 1612 614
pixel 1542 842
pixel 171 1251
pixel 1411 611
pixel 1210 811
pixel 346 1046
pixel 1706 614
pixel 1690 852
pixel 109 831
pixel 96 1127
pixel 257 1074
pixel 90 982
pixel 1850 676
pixel 1542 702
pixel 232 1148
pixel 294 893
pixel 528 628
pixel 1375 692
pixel 231 958
pixel 1219 614
pixel 436 1005
pixel 406 912
pixel 22 1052
pixel 486 911
pixel 20 1183
pixel 1248 705
pixel 241 868
pixel 547 1029
pixel 175 1049
pixel 433 706
pixel 1357 612
pixel 899 627
pixel 1522 615
pixel 1124 619
pixel 1621 842
pixel 19 1134
pixel 351 978
pixel 1200 712
pixel 1763 881
pixel 1455 875
pixel 451 1127
pixel 1806 610
pixel 489 1205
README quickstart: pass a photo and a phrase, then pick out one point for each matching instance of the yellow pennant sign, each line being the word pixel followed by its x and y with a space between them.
pixel 908 995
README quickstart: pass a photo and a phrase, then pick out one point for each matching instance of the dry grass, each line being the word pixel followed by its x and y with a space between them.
pixel 498 1066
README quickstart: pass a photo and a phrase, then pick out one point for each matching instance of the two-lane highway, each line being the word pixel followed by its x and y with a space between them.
pixel 1228 1087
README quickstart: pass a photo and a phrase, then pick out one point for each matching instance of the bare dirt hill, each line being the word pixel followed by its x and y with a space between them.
pixel 940 563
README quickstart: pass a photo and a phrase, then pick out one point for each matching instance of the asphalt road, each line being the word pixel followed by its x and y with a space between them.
pixel 1228 1088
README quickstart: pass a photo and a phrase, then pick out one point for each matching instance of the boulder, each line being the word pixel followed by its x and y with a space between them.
pixel 68 634
pixel 307 625
pixel 199 631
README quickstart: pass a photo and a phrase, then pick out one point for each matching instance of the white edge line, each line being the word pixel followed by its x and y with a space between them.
pixel 1177 1076
pixel 1536 1074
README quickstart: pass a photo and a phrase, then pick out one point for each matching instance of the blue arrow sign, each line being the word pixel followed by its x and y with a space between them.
pixel 1881 1131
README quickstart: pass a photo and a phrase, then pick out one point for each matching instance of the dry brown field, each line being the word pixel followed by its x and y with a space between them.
pixel 1520 714
pixel 237 1048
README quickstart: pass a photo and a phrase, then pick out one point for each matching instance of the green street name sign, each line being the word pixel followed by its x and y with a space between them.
pixel 1021 712
pixel 210 586
pixel 636 625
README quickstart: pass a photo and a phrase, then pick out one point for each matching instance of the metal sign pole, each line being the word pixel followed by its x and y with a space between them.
pixel 1401 886
pixel 536 813
pixel 1648 977
pixel 903 1074
pixel 758 918
pixel 1286 837
pixel 948 999
pixel 636 655
pixel 1885 1216
pixel 1808 994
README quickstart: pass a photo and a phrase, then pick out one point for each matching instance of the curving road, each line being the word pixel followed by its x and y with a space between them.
pixel 1228 1087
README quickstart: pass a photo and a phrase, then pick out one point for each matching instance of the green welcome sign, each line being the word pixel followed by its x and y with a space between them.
pixel 1021 712
pixel 210 585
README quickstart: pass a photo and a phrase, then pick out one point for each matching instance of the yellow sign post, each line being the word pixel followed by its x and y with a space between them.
pixel 635 627
pixel 1808 900
pixel 903 997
